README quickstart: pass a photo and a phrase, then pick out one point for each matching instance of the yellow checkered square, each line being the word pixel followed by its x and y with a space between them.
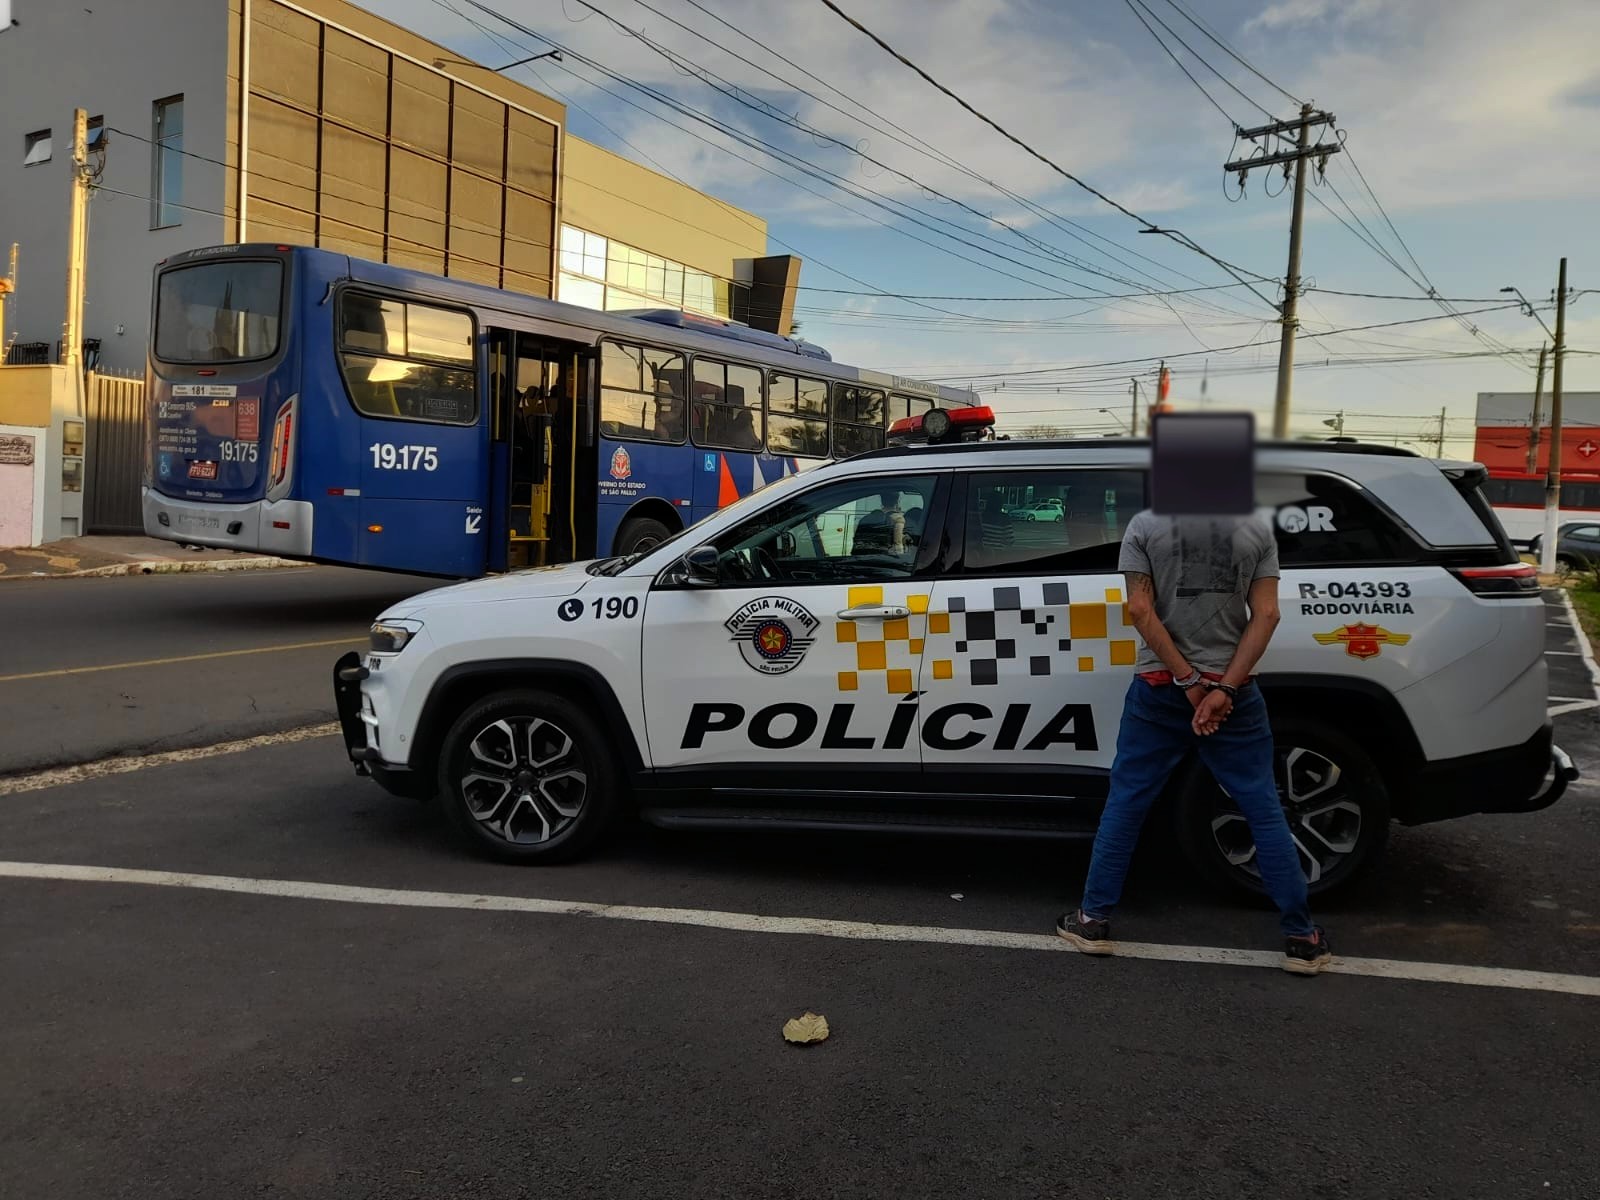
pixel 1086 664
pixel 859 596
pixel 871 656
pixel 917 604
pixel 916 645
pixel 897 631
pixel 899 683
pixel 847 681
pixel 1113 595
pixel 1087 620
pixel 939 622
pixel 943 668
pixel 1124 654
pixel 845 631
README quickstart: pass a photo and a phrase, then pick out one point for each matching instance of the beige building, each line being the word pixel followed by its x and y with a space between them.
pixel 316 122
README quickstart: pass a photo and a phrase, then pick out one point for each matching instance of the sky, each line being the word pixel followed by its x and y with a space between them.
pixel 1470 161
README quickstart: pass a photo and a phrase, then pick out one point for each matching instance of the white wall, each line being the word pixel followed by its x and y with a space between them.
pixel 115 61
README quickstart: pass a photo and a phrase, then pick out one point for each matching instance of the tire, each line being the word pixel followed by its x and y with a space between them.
pixel 1567 564
pixel 641 533
pixel 527 777
pixel 1336 844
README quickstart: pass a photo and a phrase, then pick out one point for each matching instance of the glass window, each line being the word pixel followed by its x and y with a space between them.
pixel 577 290
pixel 858 420
pixel 797 416
pixel 641 393
pixel 166 197
pixel 1049 521
pixel 381 340
pixel 727 405
pixel 1321 520
pixel 218 312
pixel 36 148
pixel 857 529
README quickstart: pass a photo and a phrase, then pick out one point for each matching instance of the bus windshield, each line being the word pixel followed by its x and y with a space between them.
pixel 219 312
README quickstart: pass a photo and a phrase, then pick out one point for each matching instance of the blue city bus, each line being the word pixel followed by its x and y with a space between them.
pixel 310 405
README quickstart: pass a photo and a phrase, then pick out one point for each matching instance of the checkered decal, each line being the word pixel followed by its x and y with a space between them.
pixel 1042 622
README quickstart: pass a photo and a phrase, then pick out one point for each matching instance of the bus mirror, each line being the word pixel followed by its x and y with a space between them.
pixel 700 567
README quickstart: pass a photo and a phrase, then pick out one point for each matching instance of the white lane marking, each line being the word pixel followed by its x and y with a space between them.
pixel 1583 641
pixel 1566 653
pixel 57 776
pixel 1381 968
pixel 1574 706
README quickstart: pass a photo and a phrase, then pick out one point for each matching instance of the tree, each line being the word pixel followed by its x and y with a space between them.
pixel 1041 432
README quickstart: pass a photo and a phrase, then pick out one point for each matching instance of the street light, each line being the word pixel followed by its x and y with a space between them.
pixel 1121 424
pixel 1527 309
pixel 467 62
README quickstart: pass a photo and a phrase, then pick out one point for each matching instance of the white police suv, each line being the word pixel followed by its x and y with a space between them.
pixel 898 642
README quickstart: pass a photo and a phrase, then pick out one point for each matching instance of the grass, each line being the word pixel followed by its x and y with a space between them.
pixel 1584 588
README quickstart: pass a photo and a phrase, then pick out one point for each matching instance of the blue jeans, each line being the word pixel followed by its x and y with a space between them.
pixel 1155 735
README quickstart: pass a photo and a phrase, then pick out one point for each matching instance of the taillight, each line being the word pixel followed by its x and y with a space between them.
pixel 1509 582
pixel 282 446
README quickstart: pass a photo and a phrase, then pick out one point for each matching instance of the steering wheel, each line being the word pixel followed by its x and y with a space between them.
pixel 764 563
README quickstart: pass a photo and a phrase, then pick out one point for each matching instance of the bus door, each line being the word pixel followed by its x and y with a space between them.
pixel 536 389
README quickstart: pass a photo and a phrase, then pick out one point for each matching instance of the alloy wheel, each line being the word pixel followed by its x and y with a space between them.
pixel 523 779
pixel 1324 818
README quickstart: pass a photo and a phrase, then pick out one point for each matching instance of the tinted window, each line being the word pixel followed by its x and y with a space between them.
pixel 1321 520
pixel 1049 521
pixel 797 416
pixel 407 361
pixel 218 312
pixel 641 393
pixel 727 405
pixel 854 530
pixel 858 420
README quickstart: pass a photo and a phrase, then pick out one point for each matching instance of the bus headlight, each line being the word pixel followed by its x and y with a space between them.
pixel 390 637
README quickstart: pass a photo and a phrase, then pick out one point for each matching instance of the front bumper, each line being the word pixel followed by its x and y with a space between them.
pixel 355 720
pixel 1515 779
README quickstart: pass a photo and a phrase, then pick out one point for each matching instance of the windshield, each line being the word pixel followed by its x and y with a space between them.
pixel 219 312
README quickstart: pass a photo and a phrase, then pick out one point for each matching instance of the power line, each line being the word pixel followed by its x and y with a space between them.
pixel 1177 62
pixel 1230 52
pixel 1171 234
pixel 1139 4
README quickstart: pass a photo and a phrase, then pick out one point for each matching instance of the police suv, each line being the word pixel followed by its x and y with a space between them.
pixel 897 642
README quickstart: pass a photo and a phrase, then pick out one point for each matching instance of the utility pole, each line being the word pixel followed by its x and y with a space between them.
pixel 77 253
pixel 1301 127
pixel 1538 395
pixel 1439 452
pixel 1133 423
pixel 8 287
pixel 1552 478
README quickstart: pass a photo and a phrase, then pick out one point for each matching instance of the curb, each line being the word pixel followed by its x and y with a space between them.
pixel 165 567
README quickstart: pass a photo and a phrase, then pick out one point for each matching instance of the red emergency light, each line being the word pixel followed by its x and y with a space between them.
pixel 941 425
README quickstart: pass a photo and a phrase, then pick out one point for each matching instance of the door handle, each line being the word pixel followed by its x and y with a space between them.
pixel 874 612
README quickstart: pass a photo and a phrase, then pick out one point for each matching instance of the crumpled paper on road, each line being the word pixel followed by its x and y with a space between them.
pixel 806 1029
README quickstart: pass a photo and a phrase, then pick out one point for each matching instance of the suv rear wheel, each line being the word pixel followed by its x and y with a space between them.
pixel 524 776
pixel 1332 794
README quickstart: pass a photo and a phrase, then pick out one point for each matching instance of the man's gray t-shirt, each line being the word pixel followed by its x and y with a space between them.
pixel 1201 569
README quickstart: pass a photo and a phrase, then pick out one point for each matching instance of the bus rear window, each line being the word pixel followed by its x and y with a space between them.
pixel 217 312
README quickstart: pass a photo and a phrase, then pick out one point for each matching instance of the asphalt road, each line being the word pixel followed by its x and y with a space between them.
pixel 224 655
pixel 165 1041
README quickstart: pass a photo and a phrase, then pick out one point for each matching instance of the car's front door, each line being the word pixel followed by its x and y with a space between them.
pixel 798 667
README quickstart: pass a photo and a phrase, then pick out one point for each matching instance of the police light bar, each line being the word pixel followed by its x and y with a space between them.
pixel 941 425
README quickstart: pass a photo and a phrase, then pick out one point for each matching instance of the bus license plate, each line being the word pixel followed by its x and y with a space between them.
pixel 202 470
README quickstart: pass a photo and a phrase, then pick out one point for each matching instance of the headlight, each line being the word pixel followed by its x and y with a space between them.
pixel 386 637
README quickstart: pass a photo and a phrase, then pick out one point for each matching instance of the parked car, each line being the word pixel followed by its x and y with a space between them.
pixel 750 673
pixel 1577 544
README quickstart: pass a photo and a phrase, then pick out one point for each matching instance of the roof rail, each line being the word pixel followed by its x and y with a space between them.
pixel 1321 447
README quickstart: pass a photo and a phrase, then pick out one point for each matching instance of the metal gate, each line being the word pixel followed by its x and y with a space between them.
pixel 114 454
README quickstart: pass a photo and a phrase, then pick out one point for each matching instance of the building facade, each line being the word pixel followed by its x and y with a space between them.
pixel 315 122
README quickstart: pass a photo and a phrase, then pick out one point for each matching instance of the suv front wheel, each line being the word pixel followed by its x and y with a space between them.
pixel 1332 794
pixel 525 777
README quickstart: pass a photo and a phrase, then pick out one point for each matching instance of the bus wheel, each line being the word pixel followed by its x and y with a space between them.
pixel 525 777
pixel 639 534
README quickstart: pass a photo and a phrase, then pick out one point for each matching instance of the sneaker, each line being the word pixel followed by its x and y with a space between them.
pixel 1307 956
pixel 1089 936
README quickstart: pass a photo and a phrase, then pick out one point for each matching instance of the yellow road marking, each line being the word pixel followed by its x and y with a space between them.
pixel 181 658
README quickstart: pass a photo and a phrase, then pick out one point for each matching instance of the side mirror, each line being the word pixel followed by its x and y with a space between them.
pixel 700 567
